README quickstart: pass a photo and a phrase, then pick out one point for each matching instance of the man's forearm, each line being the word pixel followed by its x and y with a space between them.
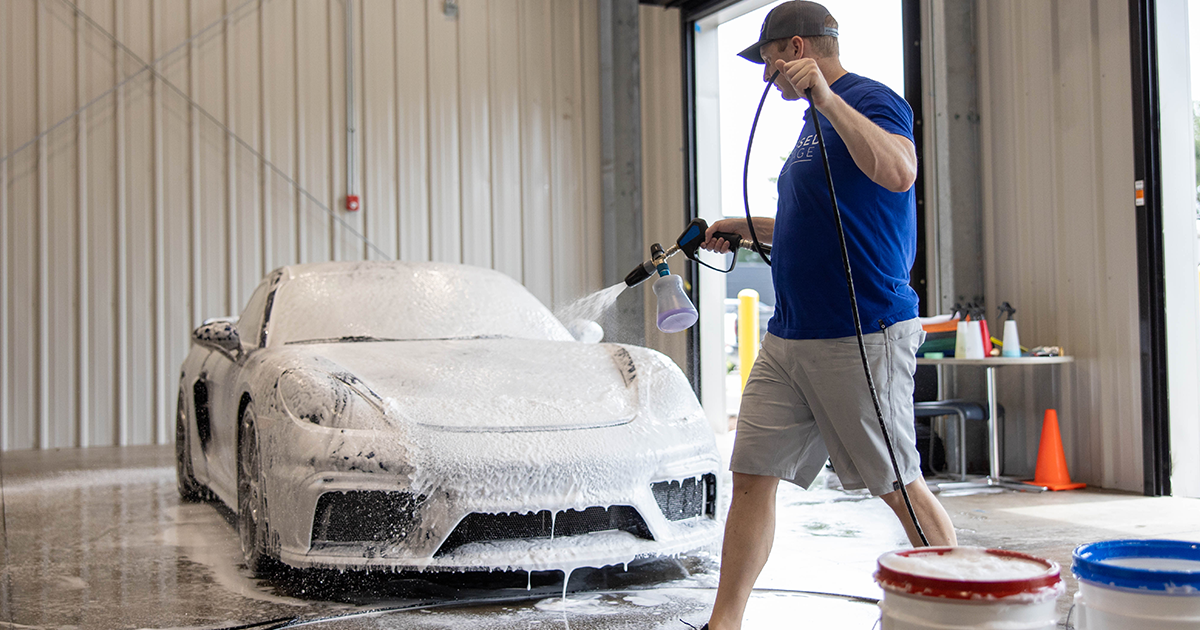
pixel 887 159
pixel 764 229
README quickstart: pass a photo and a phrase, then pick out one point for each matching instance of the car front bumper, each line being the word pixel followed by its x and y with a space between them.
pixel 446 477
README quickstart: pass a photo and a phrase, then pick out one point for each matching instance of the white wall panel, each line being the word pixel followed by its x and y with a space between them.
pixel 445 236
pixel 663 213
pixel 6 16
pixel 281 203
pixel 377 128
pixel 246 95
pixel 505 125
pixel 21 370
pixel 128 224
pixel 1059 226
pixel 589 71
pixel 347 246
pixel 144 134
pixel 536 46
pixel 566 141
pixel 412 139
pixel 57 243
pixel 100 383
pixel 315 135
pixel 475 87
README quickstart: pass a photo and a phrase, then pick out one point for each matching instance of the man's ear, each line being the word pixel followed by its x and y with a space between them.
pixel 797 46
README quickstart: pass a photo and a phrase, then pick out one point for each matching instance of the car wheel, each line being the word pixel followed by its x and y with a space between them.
pixel 189 489
pixel 252 503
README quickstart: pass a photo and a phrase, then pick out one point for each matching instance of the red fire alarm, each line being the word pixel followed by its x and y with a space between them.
pixel 352 203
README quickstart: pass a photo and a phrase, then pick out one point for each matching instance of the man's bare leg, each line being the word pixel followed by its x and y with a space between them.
pixel 749 532
pixel 935 522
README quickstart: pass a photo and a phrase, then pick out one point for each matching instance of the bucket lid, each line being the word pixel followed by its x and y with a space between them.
pixel 896 575
pixel 1099 563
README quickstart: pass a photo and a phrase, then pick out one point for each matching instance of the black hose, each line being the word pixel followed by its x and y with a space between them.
pixel 837 214
pixel 862 347
pixel 745 173
pixel 298 620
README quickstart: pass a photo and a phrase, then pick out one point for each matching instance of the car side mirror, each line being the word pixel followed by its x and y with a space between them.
pixel 220 335
pixel 586 330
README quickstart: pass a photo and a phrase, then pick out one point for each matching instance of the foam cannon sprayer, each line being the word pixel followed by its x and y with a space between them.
pixel 675 309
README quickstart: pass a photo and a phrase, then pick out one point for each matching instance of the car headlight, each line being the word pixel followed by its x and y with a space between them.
pixel 328 400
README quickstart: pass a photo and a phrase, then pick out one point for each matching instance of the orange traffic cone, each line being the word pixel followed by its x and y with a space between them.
pixel 1051 461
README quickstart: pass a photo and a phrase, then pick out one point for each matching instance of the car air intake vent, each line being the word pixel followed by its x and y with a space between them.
pixel 363 516
pixel 483 527
pixel 688 498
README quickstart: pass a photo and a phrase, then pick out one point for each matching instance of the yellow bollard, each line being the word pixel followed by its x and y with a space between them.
pixel 747 331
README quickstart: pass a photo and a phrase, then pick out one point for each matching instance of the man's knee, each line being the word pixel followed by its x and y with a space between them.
pixel 746 485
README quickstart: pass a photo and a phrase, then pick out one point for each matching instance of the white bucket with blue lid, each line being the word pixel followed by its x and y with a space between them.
pixel 1137 584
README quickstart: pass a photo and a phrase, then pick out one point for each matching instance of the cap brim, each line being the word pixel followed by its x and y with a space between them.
pixel 752 53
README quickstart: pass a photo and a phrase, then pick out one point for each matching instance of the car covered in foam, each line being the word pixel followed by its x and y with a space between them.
pixel 437 416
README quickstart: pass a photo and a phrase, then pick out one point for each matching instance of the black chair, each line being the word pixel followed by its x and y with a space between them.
pixel 926 405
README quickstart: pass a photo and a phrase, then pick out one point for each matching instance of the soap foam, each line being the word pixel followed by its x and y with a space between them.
pixel 1155 564
pixel 968 565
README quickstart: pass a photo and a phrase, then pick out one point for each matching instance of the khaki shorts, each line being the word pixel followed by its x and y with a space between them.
pixel 807 400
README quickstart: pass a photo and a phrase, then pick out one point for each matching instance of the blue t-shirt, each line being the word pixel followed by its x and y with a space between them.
pixel 811 298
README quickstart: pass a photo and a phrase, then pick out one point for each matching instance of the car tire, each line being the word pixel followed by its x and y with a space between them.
pixel 252 504
pixel 190 490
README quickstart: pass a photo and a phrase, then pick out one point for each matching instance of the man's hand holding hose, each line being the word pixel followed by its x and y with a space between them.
pixel 889 160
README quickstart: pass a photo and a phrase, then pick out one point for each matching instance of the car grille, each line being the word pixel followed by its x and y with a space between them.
pixel 484 527
pixel 363 516
pixel 688 498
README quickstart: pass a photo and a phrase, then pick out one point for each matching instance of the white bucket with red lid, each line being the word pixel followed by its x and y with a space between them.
pixel 939 588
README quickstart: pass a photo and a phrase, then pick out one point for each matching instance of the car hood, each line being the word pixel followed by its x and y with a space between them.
pixel 503 385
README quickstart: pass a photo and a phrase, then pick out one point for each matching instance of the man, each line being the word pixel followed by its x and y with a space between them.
pixel 807 397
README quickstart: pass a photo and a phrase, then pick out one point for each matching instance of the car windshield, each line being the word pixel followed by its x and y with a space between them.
pixel 398 302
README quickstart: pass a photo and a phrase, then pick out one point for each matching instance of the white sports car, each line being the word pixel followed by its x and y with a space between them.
pixel 437 416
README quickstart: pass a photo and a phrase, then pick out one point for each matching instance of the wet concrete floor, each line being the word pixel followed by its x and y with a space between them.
pixel 97 538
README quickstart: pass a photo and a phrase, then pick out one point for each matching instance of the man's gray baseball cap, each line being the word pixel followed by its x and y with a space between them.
pixel 790 19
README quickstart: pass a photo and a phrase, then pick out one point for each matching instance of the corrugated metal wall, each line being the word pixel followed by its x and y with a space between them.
pixel 664 215
pixel 1059 226
pixel 128 224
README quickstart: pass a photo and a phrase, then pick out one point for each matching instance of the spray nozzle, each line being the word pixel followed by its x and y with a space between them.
pixel 675 310
pixel 640 274
pixel 656 264
pixel 689 242
pixel 1006 311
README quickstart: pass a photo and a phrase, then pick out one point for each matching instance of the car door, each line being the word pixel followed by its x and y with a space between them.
pixel 223 375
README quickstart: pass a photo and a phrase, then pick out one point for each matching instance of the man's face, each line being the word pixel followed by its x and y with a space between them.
pixel 785 50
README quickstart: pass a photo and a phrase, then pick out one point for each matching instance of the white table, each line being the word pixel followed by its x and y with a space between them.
pixel 991 364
